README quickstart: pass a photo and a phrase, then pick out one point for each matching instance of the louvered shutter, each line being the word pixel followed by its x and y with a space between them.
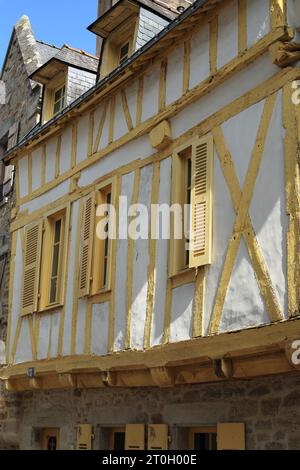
pixel 135 437
pixel 158 438
pixel 201 203
pixel 84 437
pixel 31 268
pixel 87 237
pixel 231 436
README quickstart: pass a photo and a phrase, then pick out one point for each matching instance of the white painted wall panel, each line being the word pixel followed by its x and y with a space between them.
pixel 17 286
pixel 140 268
pixel 66 150
pixel 181 327
pixel 245 124
pixel 105 131
pixel 161 264
pixel 135 150
pixel 199 63
pixel 37 169
pixel 131 95
pixel 97 119
pixel 82 138
pixel 44 336
pixel 243 305
pixel 23 176
pixel 151 92
pixel 120 125
pixel 121 271
pixel 100 329
pixel 258 20
pixel 228 33
pixel 223 221
pixel 46 198
pixel 51 147
pixel 81 324
pixel 267 209
pixel 232 89
pixel 55 325
pixel 174 74
pixel 24 350
pixel 70 282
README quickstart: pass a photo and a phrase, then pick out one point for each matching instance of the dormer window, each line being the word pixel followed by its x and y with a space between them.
pixel 59 100
pixel 124 52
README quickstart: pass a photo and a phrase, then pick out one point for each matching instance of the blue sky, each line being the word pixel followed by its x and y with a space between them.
pixel 53 21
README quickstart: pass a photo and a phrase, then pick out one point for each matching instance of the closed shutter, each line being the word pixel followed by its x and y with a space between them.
pixel 87 237
pixel 231 436
pixel 31 268
pixel 201 203
pixel 135 437
pixel 84 437
pixel 157 437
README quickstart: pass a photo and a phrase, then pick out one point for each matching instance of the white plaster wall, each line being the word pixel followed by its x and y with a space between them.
pixel 228 33
pixel 174 74
pixel 66 150
pixel 36 169
pixel 134 150
pixel 121 271
pixel 140 268
pixel 293 16
pixel 199 63
pixel 81 326
pixel 105 132
pixel 245 124
pixel 244 306
pixel 44 336
pixel 82 138
pixel 131 95
pixel 181 327
pixel 17 286
pixel 267 209
pixel 23 176
pixel 54 338
pixel 24 351
pixel 51 147
pixel 161 264
pixel 151 92
pixel 232 89
pixel 258 20
pixel 223 221
pixel 120 125
pixel 46 198
pixel 100 329
pixel 97 119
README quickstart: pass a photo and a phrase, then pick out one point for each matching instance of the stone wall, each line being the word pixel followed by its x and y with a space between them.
pixel 270 408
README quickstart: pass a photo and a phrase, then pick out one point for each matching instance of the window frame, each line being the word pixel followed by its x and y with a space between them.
pixel 206 430
pixel 49 220
pixel 54 85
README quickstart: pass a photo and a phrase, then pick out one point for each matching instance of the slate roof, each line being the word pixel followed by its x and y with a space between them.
pixel 46 51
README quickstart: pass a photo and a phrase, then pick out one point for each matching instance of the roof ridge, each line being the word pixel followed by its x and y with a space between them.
pixel 47 44
pixel 80 51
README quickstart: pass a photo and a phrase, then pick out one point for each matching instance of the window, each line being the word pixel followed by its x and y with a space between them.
pixel 45 245
pixel 203 439
pixel 95 256
pixel 192 190
pixel 55 96
pixel 124 52
pixel 117 439
pixel 59 100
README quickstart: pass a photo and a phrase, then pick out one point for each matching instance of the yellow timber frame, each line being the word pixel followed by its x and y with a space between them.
pixel 260 349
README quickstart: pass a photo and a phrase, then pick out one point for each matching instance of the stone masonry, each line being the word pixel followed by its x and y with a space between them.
pixel 270 408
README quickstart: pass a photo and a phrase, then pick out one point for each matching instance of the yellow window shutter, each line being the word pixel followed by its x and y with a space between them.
pixel 87 238
pixel 31 268
pixel 84 437
pixel 231 436
pixel 135 437
pixel 201 202
pixel 158 437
